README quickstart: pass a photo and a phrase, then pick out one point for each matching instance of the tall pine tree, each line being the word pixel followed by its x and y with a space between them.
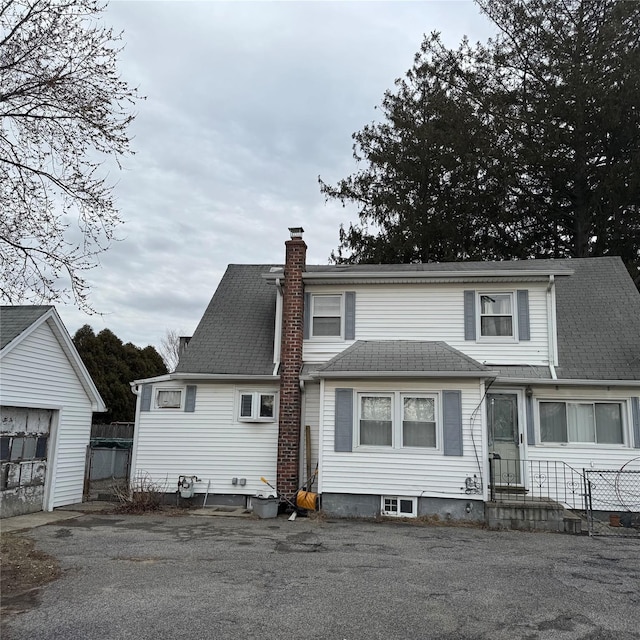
pixel 113 365
pixel 526 146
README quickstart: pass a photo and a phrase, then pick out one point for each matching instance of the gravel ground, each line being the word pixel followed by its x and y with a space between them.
pixel 156 576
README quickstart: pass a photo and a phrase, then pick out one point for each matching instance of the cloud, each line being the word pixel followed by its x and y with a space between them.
pixel 247 103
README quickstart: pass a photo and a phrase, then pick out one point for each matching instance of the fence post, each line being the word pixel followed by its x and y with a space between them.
pixel 492 489
pixel 87 474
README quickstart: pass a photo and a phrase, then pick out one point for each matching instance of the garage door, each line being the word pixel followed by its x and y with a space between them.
pixel 24 443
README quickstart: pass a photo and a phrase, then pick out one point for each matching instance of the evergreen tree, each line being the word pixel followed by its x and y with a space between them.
pixel 526 146
pixel 113 365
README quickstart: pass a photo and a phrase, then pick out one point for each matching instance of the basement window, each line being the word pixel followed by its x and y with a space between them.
pixel 399 507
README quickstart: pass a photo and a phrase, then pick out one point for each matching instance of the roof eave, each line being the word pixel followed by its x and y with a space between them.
pixel 401 374
pixel 60 331
pixel 208 377
pixel 435 276
pixel 12 344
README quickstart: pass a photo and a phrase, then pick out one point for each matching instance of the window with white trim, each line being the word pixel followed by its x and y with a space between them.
pixel 418 421
pixel 497 318
pixel 326 316
pixel 168 398
pixel 399 507
pixel 581 422
pixel 397 420
pixel 257 406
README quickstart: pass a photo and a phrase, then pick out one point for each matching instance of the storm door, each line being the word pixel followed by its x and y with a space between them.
pixel 505 438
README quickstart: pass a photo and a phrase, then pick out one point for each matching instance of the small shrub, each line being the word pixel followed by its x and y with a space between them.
pixel 142 496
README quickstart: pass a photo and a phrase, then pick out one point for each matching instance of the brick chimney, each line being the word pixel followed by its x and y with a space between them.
pixel 291 364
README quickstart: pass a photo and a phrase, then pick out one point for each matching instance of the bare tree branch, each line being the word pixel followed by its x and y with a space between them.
pixel 63 111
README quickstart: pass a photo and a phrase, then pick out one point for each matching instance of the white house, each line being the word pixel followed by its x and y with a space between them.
pixel 46 402
pixel 411 378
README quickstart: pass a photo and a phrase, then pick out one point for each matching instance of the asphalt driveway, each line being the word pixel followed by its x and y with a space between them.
pixel 151 577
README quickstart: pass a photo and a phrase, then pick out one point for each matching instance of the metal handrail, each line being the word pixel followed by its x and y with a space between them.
pixel 536 480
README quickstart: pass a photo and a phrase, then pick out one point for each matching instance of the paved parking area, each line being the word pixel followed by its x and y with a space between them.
pixel 157 576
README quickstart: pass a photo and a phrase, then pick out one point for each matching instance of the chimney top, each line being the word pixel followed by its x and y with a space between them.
pixel 296 232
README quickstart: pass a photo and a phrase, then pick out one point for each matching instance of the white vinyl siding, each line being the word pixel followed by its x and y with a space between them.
pixel 406 471
pixel 210 443
pixel 435 312
pixel 585 455
pixel 37 373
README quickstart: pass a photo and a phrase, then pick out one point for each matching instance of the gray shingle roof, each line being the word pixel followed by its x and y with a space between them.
pixel 16 319
pixel 598 310
pixel 522 371
pixel 235 334
pixel 402 356
pixel 598 315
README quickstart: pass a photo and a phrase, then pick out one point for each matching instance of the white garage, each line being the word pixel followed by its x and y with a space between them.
pixel 47 399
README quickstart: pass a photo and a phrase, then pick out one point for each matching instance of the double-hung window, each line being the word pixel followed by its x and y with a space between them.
pixel 418 421
pixel 326 316
pixel 376 420
pixel 257 406
pixel 397 420
pixel 496 315
pixel 581 422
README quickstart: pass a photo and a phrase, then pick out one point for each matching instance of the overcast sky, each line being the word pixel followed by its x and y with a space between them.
pixel 247 104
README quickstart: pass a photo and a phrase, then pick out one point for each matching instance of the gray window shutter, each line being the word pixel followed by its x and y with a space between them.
pixel 469 315
pixel 350 315
pixel 531 431
pixel 524 331
pixel 145 398
pixel 635 412
pixel 452 428
pixel 190 400
pixel 344 420
pixel 307 316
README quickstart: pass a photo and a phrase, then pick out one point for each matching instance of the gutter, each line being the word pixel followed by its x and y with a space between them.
pixel 568 382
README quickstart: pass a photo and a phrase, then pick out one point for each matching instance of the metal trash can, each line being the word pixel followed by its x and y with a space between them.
pixel 265 507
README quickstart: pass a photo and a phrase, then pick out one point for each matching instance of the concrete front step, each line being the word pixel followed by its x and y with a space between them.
pixel 540 515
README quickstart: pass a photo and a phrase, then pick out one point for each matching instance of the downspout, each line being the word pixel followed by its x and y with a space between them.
pixel 278 329
pixel 550 328
pixel 136 389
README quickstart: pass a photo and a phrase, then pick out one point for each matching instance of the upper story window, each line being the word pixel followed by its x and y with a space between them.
pixel 169 398
pixel 581 422
pixel 496 315
pixel 326 315
pixel 330 317
pixel 257 406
